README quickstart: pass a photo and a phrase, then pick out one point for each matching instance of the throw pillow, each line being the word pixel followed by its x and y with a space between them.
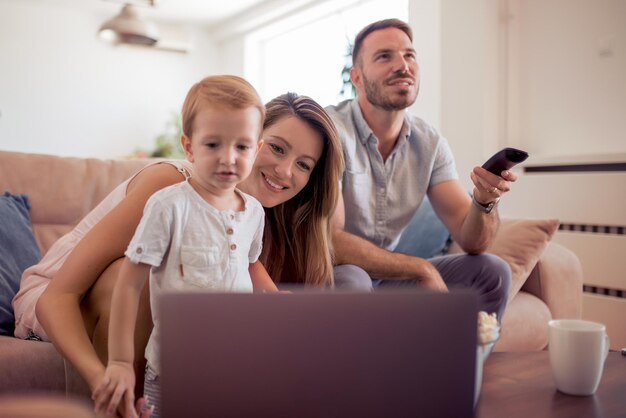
pixel 520 243
pixel 18 250
pixel 425 236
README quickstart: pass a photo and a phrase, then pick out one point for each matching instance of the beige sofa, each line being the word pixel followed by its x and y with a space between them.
pixel 62 190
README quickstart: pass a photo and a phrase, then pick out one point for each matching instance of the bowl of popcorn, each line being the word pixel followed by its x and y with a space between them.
pixel 488 334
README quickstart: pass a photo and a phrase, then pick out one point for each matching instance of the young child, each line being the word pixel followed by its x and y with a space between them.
pixel 202 233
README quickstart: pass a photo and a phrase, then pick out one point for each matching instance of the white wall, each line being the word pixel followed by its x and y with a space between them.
pixel 231 52
pixel 557 89
pixel 470 81
pixel 545 76
pixel 571 76
pixel 63 91
pixel 425 21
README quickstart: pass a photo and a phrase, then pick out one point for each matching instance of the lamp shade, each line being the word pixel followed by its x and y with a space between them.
pixel 128 27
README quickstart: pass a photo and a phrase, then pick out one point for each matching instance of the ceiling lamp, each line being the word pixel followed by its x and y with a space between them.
pixel 129 28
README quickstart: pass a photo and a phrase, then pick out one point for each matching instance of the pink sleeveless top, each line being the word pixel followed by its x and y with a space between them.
pixel 35 279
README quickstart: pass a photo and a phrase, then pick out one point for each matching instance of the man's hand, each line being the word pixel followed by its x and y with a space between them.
pixel 430 278
pixel 117 390
pixel 378 262
pixel 488 187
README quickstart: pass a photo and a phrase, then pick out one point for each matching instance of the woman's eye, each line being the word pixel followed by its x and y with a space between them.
pixel 304 166
pixel 276 149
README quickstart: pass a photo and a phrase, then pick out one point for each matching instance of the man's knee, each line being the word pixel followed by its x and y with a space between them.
pixel 498 272
pixel 496 283
pixel 351 277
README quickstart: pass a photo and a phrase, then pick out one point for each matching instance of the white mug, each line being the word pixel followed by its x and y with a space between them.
pixel 577 350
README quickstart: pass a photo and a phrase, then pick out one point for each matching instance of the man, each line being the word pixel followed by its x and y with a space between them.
pixel 393 160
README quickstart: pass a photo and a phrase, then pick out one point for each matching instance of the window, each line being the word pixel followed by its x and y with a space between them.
pixel 306 53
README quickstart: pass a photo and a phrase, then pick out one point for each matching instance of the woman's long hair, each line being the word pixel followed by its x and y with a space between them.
pixel 297 241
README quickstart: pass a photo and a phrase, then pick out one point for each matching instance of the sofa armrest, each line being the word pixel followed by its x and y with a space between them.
pixel 36 366
pixel 557 279
pixel 30 366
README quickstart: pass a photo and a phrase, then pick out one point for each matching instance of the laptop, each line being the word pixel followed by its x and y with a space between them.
pixel 327 354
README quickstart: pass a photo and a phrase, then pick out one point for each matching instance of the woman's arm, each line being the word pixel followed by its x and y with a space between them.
pixel 118 384
pixel 77 300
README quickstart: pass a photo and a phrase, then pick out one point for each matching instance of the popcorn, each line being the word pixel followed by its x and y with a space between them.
pixel 488 334
pixel 488 328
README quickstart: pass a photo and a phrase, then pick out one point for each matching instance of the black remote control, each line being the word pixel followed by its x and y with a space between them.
pixel 504 159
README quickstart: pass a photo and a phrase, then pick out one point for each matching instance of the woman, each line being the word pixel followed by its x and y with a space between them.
pixel 295 177
pixel 298 197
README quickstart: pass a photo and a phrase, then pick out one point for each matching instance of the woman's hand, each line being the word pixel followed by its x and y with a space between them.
pixel 116 391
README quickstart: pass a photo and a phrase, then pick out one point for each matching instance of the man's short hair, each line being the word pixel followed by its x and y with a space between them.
pixel 373 27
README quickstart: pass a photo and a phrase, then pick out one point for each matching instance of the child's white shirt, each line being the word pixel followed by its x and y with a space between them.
pixel 192 246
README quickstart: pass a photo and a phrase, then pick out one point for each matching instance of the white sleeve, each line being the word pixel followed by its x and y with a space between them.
pixel 256 246
pixel 153 234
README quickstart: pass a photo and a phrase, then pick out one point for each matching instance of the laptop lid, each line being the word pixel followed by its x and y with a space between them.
pixel 382 354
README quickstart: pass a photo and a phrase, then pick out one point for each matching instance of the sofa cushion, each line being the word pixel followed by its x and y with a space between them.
pixel 524 324
pixel 425 236
pixel 520 243
pixel 30 366
pixel 18 250
pixel 61 190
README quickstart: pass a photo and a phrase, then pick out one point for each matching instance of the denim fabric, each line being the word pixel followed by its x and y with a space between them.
pixel 18 250
pixel 425 236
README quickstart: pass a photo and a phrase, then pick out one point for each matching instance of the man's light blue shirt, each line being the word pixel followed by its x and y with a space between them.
pixel 381 197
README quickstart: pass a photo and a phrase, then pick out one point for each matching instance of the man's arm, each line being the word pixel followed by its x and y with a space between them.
pixel 376 261
pixel 473 229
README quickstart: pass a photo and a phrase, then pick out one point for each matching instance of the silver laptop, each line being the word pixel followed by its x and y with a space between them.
pixel 384 354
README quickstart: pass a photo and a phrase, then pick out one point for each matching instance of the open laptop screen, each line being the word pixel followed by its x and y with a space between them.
pixel 383 354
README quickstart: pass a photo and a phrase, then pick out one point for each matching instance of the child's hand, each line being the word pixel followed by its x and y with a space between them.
pixel 143 409
pixel 117 385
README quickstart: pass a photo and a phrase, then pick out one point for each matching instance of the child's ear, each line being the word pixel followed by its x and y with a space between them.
pixel 259 145
pixel 185 143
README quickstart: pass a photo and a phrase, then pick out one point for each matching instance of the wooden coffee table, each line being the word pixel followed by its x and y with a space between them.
pixel 521 385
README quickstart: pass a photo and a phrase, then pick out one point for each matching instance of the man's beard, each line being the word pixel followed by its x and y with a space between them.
pixel 375 96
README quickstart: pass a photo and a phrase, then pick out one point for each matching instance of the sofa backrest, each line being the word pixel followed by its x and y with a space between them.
pixel 61 190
